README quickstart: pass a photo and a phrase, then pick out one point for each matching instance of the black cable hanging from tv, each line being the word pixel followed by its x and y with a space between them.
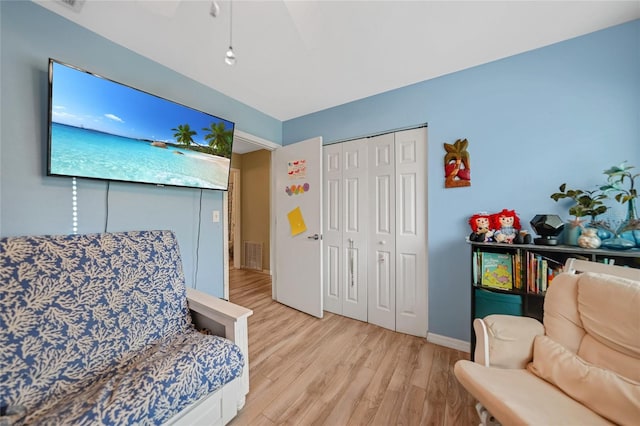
pixel 106 219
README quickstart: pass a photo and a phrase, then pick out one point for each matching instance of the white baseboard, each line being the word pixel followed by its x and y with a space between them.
pixel 449 342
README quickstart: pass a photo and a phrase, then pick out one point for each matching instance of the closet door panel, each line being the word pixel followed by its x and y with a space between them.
pixel 332 235
pixel 332 274
pixel 407 292
pixel 383 213
pixel 382 291
pixel 411 246
pixel 352 196
pixel 354 235
pixel 383 282
pixel 406 196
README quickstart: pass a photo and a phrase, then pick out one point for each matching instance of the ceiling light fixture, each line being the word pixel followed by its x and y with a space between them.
pixel 215 9
pixel 230 57
pixel 76 5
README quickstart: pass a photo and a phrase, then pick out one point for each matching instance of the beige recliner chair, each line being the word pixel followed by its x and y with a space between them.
pixel 582 367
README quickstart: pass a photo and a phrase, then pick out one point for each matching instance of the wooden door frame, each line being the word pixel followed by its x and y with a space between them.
pixel 237 213
pixel 261 144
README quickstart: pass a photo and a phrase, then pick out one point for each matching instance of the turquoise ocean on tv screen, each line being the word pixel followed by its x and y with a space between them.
pixel 88 153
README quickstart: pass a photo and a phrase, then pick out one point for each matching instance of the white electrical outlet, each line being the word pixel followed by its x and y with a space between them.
pixel 216 216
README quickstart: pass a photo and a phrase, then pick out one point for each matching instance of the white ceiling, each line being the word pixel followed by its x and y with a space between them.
pixel 298 57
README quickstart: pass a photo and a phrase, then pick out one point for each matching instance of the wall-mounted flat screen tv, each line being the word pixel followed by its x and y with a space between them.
pixel 102 129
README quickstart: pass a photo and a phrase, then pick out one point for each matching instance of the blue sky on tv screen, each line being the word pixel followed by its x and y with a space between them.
pixel 85 100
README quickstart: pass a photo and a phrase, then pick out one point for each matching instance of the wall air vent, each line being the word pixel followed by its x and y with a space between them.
pixel 252 252
pixel 75 5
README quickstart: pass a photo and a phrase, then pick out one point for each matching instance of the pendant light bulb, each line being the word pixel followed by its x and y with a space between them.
pixel 230 57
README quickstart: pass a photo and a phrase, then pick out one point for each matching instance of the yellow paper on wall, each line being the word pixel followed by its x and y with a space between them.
pixel 296 221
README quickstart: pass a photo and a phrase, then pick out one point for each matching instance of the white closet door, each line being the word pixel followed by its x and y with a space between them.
pixel 355 229
pixel 374 194
pixel 382 214
pixel 332 197
pixel 411 231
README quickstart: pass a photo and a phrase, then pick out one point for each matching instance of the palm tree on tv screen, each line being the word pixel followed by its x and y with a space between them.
pixel 219 139
pixel 184 134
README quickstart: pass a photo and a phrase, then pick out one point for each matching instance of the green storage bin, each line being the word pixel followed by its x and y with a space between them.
pixel 489 302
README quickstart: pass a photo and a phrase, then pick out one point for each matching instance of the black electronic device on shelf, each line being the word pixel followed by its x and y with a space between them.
pixel 548 227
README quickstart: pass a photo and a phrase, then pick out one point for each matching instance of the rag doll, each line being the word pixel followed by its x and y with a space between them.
pixel 481 226
pixel 507 226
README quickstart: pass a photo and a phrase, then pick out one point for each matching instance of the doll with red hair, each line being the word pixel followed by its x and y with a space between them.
pixel 507 226
pixel 481 226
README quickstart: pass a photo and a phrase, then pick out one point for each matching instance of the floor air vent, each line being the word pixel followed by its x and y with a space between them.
pixel 252 255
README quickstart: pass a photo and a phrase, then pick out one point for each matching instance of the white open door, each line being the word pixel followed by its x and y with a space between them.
pixel 297 177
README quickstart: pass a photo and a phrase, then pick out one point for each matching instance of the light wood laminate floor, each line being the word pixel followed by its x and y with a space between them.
pixel 338 371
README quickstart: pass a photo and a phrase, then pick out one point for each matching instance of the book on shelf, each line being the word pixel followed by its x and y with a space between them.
pixel 540 272
pixel 475 261
pixel 519 275
pixel 496 270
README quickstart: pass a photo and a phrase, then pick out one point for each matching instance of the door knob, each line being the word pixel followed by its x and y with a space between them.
pixel 313 237
pixel 382 242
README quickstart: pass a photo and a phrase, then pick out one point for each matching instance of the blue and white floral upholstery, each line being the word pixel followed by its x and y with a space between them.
pixel 95 329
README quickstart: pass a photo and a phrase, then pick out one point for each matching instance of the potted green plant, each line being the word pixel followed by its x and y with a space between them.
pixel 616 178
pixel 621 182
pixel 586 203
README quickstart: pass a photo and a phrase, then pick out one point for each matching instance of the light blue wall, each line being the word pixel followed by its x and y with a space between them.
pixel 32 203
pixel 558 114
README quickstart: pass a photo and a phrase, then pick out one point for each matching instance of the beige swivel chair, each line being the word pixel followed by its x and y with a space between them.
pixel 581 367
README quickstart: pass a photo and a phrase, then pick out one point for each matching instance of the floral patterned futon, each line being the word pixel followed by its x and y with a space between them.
pixel 95 329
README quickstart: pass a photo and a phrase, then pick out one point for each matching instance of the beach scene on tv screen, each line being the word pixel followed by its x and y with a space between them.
pixel 106 130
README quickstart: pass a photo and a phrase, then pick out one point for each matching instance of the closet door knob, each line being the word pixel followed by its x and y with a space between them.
pixel 382 242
